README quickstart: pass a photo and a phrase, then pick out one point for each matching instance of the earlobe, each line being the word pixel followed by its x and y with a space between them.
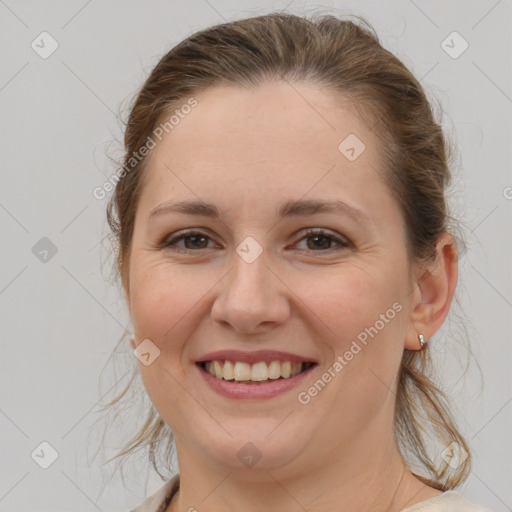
pixel 433 294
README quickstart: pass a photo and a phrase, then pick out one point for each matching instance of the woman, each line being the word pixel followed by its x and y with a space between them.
pixel 285 250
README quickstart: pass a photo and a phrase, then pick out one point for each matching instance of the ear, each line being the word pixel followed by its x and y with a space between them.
pixel 433 292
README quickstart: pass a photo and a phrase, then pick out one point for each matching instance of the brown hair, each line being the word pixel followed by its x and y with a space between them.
pixel 347 58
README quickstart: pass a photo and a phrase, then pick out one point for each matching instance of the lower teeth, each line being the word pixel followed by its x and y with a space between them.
pixel 255 381
pixel 252 381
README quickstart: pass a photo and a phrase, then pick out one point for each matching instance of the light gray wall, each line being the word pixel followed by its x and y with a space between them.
pixel 61 318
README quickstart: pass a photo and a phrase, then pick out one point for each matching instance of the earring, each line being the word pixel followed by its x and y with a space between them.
pixel 422 341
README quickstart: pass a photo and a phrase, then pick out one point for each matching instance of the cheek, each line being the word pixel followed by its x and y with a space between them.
pixel 362 312
pixel 160 296
pixel 349 300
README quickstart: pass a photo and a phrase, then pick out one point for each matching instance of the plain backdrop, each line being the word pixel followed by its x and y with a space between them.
pixel 60 315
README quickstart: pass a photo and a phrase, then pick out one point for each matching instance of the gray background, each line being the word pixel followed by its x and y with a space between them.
pixel 61 318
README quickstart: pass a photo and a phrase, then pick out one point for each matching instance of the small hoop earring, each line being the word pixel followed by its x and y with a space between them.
pixel 422 341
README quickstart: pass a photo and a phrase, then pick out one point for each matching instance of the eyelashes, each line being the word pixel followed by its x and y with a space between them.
pixel 318 234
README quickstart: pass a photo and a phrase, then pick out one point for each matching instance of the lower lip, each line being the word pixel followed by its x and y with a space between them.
pixel 252 391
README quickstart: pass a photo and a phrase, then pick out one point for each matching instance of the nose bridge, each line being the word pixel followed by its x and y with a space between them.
pixel 250 266
pixel 249 281
pixel 251 294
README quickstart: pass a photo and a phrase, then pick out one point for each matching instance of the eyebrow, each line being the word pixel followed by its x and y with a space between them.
pixel 292 208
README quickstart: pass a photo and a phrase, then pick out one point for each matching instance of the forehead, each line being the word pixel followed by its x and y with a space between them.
pixel 272 120
pixel 273 139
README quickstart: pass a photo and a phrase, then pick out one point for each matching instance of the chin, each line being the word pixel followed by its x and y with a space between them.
pixel 255 449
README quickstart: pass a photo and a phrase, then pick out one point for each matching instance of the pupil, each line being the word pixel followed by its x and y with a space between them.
pixel 196 237
pixel 326 239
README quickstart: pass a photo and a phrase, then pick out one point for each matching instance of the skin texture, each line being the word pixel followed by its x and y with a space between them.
pixel 247 152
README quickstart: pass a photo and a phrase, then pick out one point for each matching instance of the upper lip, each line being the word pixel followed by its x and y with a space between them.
pixel 252 357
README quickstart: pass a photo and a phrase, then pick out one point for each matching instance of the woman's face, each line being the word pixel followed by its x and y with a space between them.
pixel 253 280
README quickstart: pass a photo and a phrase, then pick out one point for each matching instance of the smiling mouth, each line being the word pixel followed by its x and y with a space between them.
pixel 257 373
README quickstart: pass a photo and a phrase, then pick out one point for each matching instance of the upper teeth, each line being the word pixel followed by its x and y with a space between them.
pixel 255 372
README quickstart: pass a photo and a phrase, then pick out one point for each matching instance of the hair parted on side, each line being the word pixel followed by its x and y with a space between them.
pixel 347 58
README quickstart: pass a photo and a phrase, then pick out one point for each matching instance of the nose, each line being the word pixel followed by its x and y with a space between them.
pixel 252 298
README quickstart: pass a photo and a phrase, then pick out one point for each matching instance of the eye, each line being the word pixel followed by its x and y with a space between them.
pixel 322 237
pixel 196 240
